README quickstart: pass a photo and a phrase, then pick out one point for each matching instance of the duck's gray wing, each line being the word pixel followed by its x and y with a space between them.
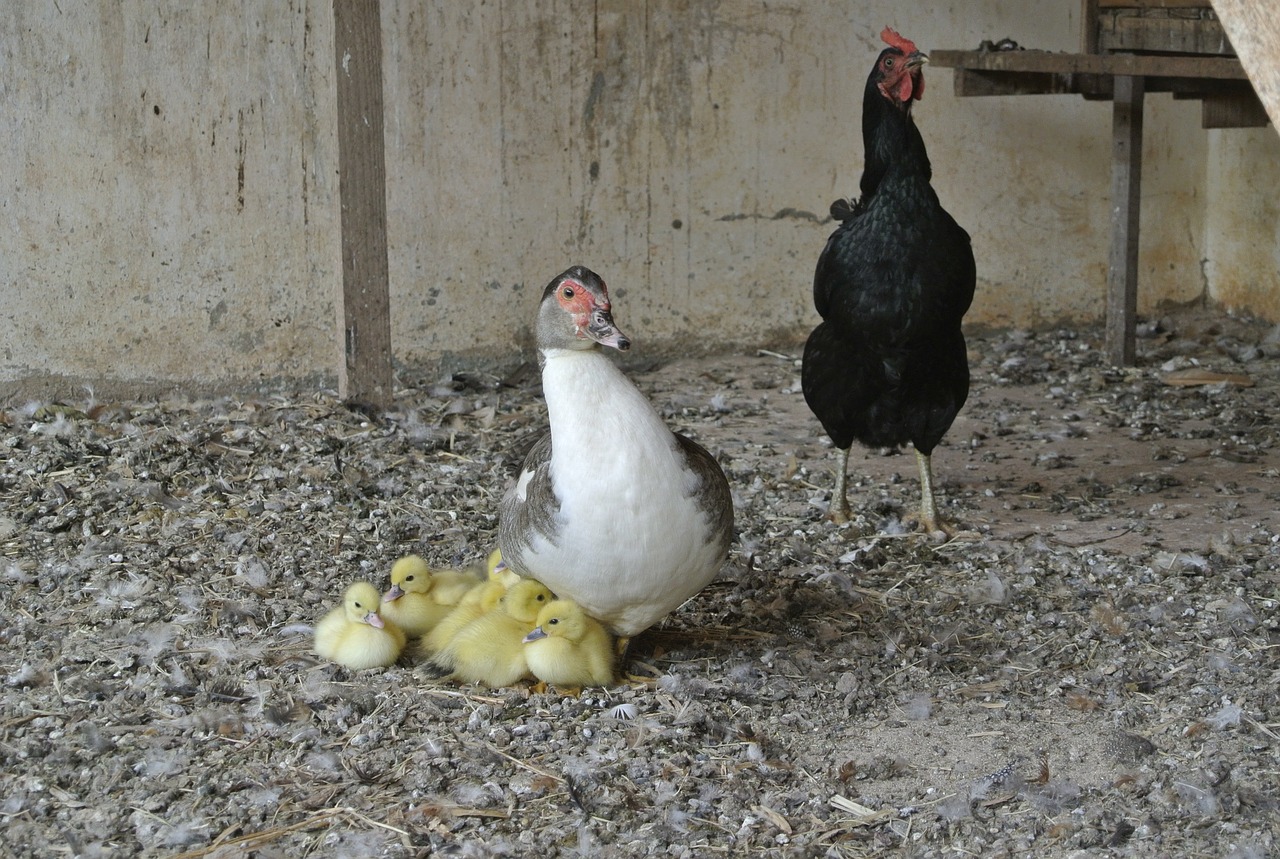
pixel 711 490
pixel 530 507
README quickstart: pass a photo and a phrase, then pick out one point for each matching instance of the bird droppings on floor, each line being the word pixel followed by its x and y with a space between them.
pixel 1089 668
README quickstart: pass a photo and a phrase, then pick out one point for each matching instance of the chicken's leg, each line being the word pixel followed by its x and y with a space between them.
pixel 838 510
pixel 928 506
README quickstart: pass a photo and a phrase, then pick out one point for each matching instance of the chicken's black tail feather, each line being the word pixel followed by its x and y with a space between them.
pixel 845 209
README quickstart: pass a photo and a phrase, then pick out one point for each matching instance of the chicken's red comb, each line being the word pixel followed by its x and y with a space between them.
pixel 891 38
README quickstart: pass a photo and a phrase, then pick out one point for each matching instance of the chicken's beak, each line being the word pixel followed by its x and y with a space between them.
pixel 916 61
pixel 601 328
pixel 374 620
pixel 534 635
pixel 394 594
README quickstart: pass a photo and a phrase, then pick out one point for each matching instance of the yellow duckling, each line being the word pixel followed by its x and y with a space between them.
pixel 499 571
pixel 490 649
pixel 482 570
pixel 480 600
pixel 355 635
pixel 448 586
pixel 420 598
pixel 568 648
pixel 477 601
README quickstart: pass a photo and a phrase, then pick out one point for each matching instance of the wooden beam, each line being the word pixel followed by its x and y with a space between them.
pixel 364 306
pixel 1234 110
pixel 976 82
pixel 1193 30
pixel 1126 195
pixel 1054 62
pixel 1153 4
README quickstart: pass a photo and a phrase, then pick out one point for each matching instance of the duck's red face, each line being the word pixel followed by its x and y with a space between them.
pixel 578 301
pixel 589 309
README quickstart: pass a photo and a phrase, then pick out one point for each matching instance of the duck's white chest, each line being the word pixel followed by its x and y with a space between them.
pixel 612 456
pixel 631 541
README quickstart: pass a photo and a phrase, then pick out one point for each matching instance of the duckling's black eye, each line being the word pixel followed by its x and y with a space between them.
pixel 542 598
pixel 553 621
pixel 358 605
pixel 408 578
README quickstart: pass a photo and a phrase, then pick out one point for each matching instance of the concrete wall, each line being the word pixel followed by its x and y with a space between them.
pixel 1243 254
pixel 171 212
pixel 169 199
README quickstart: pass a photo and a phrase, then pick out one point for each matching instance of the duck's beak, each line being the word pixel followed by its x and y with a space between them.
pixel 394 594
pixel 534 635
pixel 601 328
pixel 374 619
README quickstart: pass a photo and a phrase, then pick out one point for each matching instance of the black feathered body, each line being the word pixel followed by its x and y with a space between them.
pixel 888 365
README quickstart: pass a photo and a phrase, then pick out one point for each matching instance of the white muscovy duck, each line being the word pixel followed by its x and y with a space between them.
pixel 612 509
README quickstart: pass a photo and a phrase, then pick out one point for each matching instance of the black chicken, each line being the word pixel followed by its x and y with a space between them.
pixel 887 365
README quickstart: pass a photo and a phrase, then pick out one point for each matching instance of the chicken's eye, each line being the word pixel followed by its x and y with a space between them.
pixel 888 62
pixel 567 292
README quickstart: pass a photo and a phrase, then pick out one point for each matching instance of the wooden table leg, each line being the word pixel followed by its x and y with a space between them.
pixel 1126 196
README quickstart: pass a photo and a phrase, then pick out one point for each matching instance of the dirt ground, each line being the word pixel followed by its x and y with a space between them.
pixel 1090 668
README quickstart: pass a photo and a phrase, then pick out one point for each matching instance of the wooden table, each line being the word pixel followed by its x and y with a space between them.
pixel 1124 79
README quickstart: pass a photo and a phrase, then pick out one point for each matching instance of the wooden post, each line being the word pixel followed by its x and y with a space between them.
pixel 1089 27
pixel 364 308
pixel 1126 187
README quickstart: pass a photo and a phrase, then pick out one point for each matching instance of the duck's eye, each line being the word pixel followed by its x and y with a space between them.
pixel 553 621
pixel 542 598
pixel 408 578
pixel 567 292
pixel 358 605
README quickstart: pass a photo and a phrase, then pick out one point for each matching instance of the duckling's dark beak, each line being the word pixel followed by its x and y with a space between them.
pixel 534 635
